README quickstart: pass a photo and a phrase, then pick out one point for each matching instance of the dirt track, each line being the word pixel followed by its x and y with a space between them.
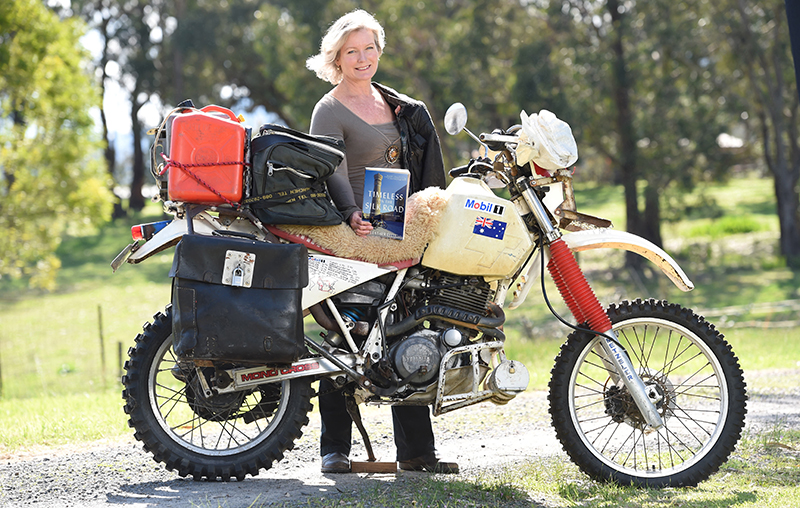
pixel 122 474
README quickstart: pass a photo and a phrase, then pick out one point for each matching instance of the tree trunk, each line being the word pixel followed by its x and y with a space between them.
pixel 110 151
pixel 137 200
pixel 624 126
pixel 788 204
pixel 651 226
pixel 177 57
pixel 785 174
pixel 773 97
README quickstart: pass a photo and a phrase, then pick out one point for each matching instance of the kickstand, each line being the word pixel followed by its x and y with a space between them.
pixel 355 414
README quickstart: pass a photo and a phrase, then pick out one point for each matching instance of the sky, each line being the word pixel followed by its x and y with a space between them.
pixel 117 105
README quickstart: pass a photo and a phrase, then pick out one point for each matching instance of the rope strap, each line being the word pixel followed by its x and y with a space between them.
pixel 185 168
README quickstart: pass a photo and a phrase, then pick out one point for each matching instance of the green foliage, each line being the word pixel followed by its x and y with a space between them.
pixel 51 175
pixel 757 475
pixel 435 492
pixel 727 226
pixel 755 48
pixel 647 87
pixel 646 92
pixel 761 473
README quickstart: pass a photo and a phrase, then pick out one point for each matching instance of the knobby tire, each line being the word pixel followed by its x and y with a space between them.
pixel 224 437
pixel 693 374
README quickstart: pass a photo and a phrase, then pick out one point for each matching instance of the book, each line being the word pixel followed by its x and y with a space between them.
pixel 384 204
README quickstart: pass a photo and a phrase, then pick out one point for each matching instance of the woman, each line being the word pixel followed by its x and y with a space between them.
pixel 380 128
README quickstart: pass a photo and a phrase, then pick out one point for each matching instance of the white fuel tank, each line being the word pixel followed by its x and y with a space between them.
pixel 479 233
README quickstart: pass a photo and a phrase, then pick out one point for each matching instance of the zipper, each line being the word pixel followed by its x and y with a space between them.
pixel 271 168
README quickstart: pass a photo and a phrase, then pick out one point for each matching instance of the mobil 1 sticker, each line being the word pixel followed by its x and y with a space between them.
pixel 484 206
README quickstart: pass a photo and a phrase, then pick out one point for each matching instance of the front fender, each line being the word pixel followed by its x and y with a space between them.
pixel 613 239
pixel 602 239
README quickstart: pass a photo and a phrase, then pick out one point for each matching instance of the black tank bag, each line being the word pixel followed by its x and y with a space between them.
pixel 288 177
pixel 238 300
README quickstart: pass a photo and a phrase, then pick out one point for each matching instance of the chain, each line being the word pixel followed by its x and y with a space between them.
pixel 333 390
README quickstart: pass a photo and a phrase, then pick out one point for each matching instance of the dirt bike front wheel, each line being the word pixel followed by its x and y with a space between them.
pixel 219 436
pixel 689 371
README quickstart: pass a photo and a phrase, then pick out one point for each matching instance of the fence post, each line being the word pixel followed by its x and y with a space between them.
pixel 119 359
pixel 102 345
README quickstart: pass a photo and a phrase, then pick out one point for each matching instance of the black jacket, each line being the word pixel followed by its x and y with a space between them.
pixel 420 147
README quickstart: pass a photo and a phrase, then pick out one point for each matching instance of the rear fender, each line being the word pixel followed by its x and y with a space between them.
pixel 203 223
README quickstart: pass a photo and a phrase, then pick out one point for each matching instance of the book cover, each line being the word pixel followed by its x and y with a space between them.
pixel 384 205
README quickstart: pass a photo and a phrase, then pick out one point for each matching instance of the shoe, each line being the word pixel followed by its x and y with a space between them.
pixel 429 463
pixel 335 462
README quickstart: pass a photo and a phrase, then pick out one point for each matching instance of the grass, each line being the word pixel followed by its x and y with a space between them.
pixel 763 473
pixel 58 420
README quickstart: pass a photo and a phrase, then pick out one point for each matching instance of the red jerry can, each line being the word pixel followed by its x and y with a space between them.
pixel 211 135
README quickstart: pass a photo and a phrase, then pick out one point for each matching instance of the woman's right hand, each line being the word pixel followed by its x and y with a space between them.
pixel 360 226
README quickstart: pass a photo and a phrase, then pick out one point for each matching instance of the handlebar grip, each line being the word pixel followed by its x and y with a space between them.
pixel 460 170
pixel 497 139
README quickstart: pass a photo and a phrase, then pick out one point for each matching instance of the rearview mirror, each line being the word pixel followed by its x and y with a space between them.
pixel 455 119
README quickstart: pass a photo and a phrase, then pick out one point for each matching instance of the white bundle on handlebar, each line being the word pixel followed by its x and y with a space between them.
pixel 546 140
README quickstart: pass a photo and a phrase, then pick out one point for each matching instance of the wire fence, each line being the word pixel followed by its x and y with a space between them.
pixel 84 357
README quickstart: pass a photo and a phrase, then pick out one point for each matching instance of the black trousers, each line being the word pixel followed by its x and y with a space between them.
pixel 413 433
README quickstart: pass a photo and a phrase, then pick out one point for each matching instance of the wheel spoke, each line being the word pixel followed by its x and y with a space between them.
pixel 216 424
pixel 672 356
pixel 579 408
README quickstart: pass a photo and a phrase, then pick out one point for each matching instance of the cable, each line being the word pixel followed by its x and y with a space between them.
pixel 577 328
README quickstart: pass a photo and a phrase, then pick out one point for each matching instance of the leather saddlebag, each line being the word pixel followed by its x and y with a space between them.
pixel 238 300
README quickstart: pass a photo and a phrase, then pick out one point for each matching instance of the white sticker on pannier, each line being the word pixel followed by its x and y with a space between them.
pixel 238 269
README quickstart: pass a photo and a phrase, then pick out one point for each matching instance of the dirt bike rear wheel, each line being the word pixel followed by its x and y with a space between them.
pixel 699 392
pixel 223 436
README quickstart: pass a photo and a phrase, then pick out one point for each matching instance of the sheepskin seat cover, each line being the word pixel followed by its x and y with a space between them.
pixel 423 212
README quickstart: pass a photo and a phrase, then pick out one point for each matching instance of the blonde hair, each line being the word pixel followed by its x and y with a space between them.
pixel 324 63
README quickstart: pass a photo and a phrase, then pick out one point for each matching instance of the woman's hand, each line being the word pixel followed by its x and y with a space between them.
pixel 360 226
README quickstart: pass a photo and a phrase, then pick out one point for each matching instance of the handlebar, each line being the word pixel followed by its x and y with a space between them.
pixel 460 170
pixel 492 137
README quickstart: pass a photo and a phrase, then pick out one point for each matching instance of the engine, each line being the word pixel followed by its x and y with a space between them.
pixel 433 313
pixel 451 305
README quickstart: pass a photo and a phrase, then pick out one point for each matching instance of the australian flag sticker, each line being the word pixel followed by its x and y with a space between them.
pixel 489 227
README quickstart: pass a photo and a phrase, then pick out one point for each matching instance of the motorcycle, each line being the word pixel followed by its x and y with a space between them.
pixel 643 392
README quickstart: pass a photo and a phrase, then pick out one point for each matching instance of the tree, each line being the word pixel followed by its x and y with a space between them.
pixel 50 169
pixel 102 14
pixel 131 33
pixel 760 56
pixel 647 94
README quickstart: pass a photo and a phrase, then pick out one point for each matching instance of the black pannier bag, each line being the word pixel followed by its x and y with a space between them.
pixel 238 300
pixel 289 169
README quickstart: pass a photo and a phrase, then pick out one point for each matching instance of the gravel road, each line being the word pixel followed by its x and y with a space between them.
pixel 481 439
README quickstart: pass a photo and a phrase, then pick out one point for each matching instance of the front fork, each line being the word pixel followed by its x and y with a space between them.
pixel 584 305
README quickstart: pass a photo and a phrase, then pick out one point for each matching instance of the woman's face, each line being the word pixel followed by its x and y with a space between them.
pixel 358 58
